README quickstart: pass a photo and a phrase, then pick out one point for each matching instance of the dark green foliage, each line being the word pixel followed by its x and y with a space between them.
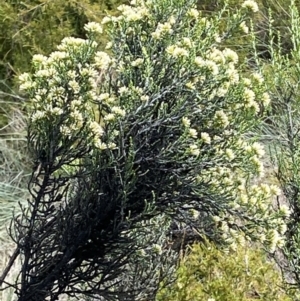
pixel 29 27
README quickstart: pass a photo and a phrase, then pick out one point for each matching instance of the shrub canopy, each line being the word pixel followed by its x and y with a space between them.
pixel 152 129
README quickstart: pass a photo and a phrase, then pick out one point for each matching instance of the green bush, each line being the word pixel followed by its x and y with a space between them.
pixel 210 273
pixel 29 27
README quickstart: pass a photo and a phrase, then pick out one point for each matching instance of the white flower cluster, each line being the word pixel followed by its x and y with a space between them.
pixel 255 202
pixel 249 100
pixel 64 87
pixel 93 27
pixel 207 64
pixel 133 13
pixel 221 118
pixel 251 5
pixel 194 13
pixel 102 60
pixel 230 55
pixel 163 28
pixel 176 51
pixel 128 14
pixel 244 28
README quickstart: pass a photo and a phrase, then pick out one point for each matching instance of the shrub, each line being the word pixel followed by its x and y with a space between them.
pixel 209 273
pixel 122 143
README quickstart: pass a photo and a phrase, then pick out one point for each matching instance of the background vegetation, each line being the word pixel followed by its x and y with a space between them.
pixel 31 27
pixel 211 273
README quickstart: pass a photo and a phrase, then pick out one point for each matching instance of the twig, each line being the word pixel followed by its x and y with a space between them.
pixel 9 265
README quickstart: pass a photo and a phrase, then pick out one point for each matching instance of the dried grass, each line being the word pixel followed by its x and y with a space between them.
pixel 14 173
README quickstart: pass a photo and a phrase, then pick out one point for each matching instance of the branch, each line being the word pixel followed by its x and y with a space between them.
pixel 10 264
